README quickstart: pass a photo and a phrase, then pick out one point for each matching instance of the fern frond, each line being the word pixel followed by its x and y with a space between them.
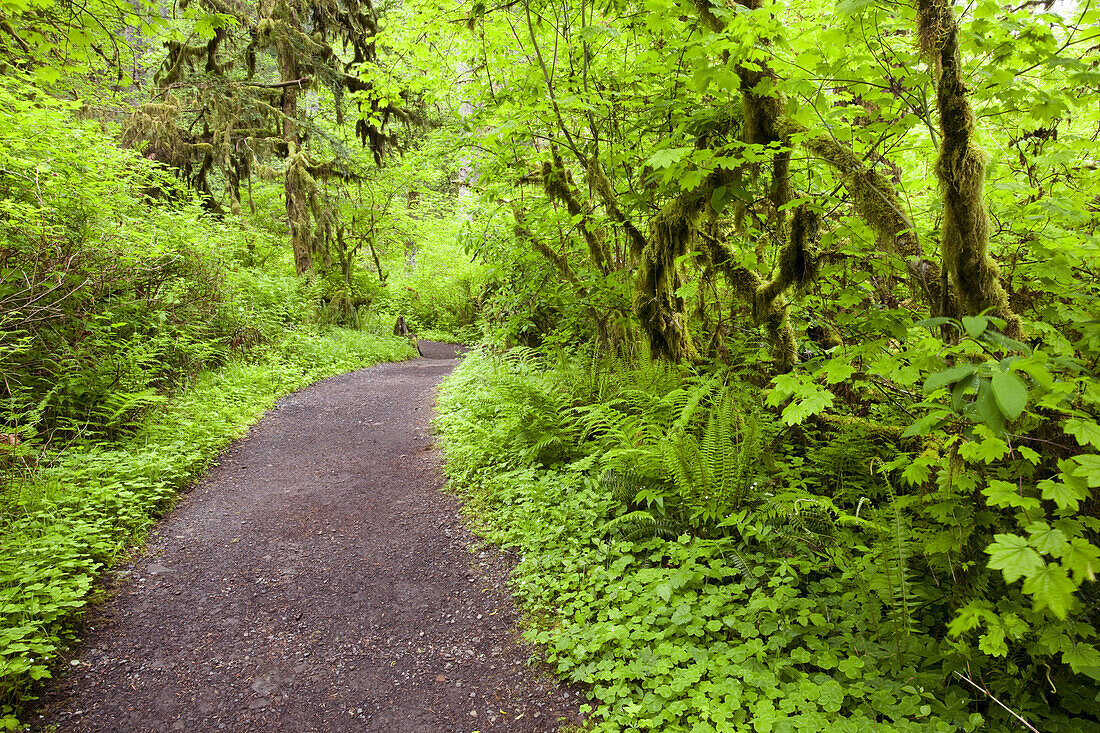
pixel 737 560
pixel 640 525
pixel 746 467
pixel 686 401
pixel 798 521
pixel 684 463
pixel 892 555
pixel 622 485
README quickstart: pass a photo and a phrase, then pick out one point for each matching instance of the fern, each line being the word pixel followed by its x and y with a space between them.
pixel 796 520
pixel 641 525
pixel 717 474
pixel 839 461
pixel 892 555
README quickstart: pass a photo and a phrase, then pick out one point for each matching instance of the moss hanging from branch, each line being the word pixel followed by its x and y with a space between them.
pixel 877 202
pixel 798 262
pixel 960 169
pixel 559 261
pixel 242 119
pixel 658 307
pixel 302 201
pixel 746 285
pixel 561 264
pixel 874 197
pixel 558 184
pixel 599 182
pixel 798 267
pixel 763 111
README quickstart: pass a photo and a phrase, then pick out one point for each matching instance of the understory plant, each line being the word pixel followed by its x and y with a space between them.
pixel 138 337
pixel 702 565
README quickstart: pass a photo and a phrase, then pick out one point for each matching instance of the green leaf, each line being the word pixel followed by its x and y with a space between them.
pixel 987 450
pixel 805 405
pixel 1067 493
pixel 1010 393
pixel 948 376
pixel 970 616
pixel 1004 494
pixel 1088 468
pixel 1087 432
pixel 919 470
pixel 1083 658
pixel 926 424
pixel 47 75
pixel 931 323
pixel 1029 455
pixel 985 405
pixel 1051 588
pixel 1012 555
pixel 851 7
pixel 836 370
pixel 667 157
pixel 1083 560
pixel 975 325
pixel 1047 539
pixel 992 642
pixel 721 198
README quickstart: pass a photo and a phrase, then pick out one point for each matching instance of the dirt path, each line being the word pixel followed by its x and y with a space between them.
pixel 315 580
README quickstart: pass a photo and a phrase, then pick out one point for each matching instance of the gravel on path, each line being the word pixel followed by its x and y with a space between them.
pixel 315 580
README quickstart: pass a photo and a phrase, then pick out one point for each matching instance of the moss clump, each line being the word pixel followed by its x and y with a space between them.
pixel 559 186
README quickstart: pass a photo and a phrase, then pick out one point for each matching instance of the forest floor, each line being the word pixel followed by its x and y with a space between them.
pixel 315 580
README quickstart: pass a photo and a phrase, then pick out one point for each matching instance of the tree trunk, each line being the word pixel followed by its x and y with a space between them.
pixel 961 172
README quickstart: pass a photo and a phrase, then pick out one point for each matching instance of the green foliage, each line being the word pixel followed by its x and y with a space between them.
pixel 773 626
pixel 751 188
pixel 341 301
pixel 135 343
pixel 107 300
pixel 715 475
pixel 56 41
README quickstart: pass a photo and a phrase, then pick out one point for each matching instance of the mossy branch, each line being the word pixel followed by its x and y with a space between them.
pixel 559 261
pixel 558 184
pixel 798 266
pixel 656 304
pixel 599 182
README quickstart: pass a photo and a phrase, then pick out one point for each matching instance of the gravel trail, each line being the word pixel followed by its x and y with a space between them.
pixel 315 580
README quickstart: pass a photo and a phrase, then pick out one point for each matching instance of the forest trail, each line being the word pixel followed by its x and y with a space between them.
pixel 315 580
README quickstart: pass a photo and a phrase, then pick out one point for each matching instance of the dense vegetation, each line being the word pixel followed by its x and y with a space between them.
pixel 789 394
pixel 828 455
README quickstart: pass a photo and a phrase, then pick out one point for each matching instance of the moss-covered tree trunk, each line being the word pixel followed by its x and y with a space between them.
pixel 656 303
pixel 298 182
pixel 961 172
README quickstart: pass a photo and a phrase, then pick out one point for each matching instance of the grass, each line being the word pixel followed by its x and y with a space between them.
pixel 74 515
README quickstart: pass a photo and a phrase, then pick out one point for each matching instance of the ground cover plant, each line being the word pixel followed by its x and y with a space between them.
pixel 813 420
pixel 78 511
pixel 875 225
pixel 704 565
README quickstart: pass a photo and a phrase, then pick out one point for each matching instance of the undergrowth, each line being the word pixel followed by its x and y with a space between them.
pixel 699 566
pixel 71 516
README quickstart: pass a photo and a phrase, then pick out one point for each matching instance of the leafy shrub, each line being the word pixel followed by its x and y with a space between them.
pixel 107 298
pixel 339 302
pixel 810 603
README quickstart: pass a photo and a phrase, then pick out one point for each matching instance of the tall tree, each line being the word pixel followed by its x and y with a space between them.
pixel 231 92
